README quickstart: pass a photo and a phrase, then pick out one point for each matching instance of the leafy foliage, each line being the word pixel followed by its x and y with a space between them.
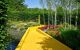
pixel 71 38
pixel 3 23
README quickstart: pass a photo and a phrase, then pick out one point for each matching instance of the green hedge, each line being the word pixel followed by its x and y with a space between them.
pixel 71 38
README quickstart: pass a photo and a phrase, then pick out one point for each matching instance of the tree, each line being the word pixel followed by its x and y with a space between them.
pixel 51 4
pixel 15 8
pixel 77 4
pixel 43 6
pixel 3 25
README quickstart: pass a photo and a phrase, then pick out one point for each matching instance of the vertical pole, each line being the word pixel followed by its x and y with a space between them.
pixel 39 19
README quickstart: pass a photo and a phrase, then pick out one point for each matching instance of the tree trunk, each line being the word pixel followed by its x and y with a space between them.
pixel 55 22
pixel 76 17
pixel 43 16
pixel 70 14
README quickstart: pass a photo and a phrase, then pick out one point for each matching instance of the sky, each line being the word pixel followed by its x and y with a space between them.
pixel 32 3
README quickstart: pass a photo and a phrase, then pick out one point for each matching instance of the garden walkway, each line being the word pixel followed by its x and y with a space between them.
pixel 35 39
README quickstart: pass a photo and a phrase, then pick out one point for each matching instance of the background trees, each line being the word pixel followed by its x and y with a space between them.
pixel 18 11
pixel 15 9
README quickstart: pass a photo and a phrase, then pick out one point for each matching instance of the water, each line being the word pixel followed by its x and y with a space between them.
pixel 12 46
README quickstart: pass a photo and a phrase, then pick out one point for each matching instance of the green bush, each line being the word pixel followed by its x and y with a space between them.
pixel 71 38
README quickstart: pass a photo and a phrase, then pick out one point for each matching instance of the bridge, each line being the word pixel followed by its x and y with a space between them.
pixel 36 39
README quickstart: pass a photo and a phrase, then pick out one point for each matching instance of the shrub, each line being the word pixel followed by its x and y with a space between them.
pixel 71 38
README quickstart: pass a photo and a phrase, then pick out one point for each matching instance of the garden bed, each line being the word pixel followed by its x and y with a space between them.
pixel 69 37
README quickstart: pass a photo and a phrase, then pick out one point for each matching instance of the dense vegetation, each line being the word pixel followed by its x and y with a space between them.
pixel 3 25
pixel 70 38
pixel 22 13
